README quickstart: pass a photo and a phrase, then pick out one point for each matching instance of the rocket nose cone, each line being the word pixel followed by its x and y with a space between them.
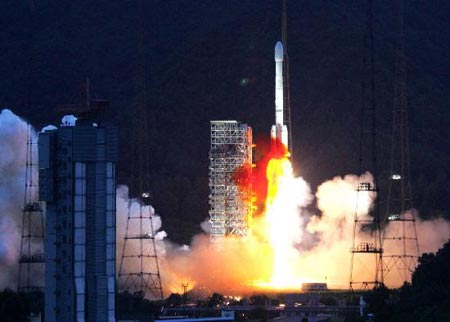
pixel 279 52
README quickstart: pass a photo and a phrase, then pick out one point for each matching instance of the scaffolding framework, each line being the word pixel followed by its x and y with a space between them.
pixel 31 258
pixel 230 196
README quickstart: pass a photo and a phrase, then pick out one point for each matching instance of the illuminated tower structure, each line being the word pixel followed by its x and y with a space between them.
pixel 366 251
pixel 77 182
pixel 230 196
pixel 400 235
pixel 32 258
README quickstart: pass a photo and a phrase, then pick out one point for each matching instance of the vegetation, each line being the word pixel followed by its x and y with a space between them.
pixel 427 298
pixel 135 306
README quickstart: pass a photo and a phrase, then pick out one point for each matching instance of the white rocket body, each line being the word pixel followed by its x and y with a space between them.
pixel 279 130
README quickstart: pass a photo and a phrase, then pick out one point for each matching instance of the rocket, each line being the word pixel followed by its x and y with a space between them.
pixel 279 132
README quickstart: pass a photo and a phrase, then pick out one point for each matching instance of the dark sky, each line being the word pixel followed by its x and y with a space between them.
pixel 191 62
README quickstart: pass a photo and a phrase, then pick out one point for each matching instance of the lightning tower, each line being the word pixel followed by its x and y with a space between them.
pixel 366 251
pixel 139 267
pixel 139 271
pixel 286 88
pixel 400 235
pixel 31 259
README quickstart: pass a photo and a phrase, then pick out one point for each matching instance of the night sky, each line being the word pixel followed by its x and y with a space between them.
pixel 204 60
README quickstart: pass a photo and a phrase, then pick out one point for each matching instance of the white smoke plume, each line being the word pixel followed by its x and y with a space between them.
pixel 13 138
pixel 128 222
pixel 206 226
pixel 132 207
pixel 333 228
pixel 432 234
pixel 319 249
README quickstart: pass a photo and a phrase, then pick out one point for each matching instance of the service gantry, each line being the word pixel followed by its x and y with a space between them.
pixel 230 167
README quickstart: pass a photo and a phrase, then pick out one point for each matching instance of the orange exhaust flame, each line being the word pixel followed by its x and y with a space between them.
pixel 281 218
pixel 287 245
pixel 275 189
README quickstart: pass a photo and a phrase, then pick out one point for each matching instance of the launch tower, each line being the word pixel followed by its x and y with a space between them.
pixel 230 189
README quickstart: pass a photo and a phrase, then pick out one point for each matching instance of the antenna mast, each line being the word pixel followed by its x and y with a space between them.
pixel 286 89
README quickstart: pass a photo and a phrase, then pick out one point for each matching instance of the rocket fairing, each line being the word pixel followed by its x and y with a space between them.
pixel 279 131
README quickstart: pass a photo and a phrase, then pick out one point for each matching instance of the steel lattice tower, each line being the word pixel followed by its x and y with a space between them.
pixel 230 201
pixel 366 251
pixel 286 88
pixel 400 235
pixel 31 258
pixel 139 271
pixel 139 266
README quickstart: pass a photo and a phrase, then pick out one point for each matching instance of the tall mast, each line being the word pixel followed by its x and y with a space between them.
pixel 286 89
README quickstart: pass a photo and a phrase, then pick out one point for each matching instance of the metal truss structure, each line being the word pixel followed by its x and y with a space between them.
pixel 399 234
pixel 366 252
pixel 139 267
pixel 230 196
pixel 32 258
pixel 139 271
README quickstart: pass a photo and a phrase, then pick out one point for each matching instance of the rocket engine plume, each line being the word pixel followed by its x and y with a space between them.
pixel 288 242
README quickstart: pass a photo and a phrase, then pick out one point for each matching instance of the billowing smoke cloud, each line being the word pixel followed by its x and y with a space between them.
pixel 320 242
pixel 320 251
pixel 337 201
pixel 13 138
pixel 206 226
pixel 127 207
pixel 432 234
pixel 129 224
pixel 332 230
